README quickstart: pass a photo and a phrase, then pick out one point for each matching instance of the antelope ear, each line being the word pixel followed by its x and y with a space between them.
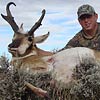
pixel 21 26
pixel 40 39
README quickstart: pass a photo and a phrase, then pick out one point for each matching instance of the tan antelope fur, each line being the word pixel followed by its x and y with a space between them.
pixel 33 59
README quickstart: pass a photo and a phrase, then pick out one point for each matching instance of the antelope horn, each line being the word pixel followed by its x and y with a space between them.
pixel 37 24
pixel 9 18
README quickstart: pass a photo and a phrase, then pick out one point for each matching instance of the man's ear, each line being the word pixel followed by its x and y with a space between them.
pixel 96 16
pixel 40 39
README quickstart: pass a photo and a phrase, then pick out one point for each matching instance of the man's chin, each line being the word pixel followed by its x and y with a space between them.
pixel 87 29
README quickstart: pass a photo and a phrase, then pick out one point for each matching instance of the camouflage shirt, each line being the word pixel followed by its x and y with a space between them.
pixel 81 40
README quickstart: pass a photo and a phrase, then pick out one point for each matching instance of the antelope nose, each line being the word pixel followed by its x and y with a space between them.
pixel 10 45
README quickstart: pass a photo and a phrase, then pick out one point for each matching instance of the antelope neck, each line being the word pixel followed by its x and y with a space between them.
pixel 28 55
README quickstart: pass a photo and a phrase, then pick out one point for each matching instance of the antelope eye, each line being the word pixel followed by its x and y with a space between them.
pixel 30 38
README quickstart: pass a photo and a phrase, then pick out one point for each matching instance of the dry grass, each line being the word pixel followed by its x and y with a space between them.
pixel 87 86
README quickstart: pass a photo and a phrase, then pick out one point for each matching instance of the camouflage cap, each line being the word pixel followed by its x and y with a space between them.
pixel 85 9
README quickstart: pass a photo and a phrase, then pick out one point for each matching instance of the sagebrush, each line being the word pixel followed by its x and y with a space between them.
pixel 85 87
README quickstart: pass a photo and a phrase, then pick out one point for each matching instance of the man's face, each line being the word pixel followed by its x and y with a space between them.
pixel 88 22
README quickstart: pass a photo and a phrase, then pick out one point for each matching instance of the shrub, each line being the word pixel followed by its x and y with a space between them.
pixel 86 84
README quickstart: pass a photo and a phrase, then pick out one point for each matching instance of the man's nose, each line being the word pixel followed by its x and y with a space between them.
pixel 86 19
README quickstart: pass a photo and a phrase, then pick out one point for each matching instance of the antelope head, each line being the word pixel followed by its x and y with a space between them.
pixel 23 42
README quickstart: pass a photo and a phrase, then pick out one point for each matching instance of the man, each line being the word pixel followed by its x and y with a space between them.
pixel 89 36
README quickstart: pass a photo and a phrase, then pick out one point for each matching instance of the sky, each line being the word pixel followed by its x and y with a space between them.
pixel 60 20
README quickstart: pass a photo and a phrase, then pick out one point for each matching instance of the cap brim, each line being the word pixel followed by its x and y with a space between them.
pixel 84 14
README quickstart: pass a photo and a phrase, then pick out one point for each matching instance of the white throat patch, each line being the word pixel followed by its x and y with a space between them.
pixel 30 54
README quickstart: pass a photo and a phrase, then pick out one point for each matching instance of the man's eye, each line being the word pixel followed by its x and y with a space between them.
pixel 30 39
pixel 85 16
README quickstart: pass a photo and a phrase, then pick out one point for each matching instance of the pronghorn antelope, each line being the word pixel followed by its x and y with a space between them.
pixel 33 59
